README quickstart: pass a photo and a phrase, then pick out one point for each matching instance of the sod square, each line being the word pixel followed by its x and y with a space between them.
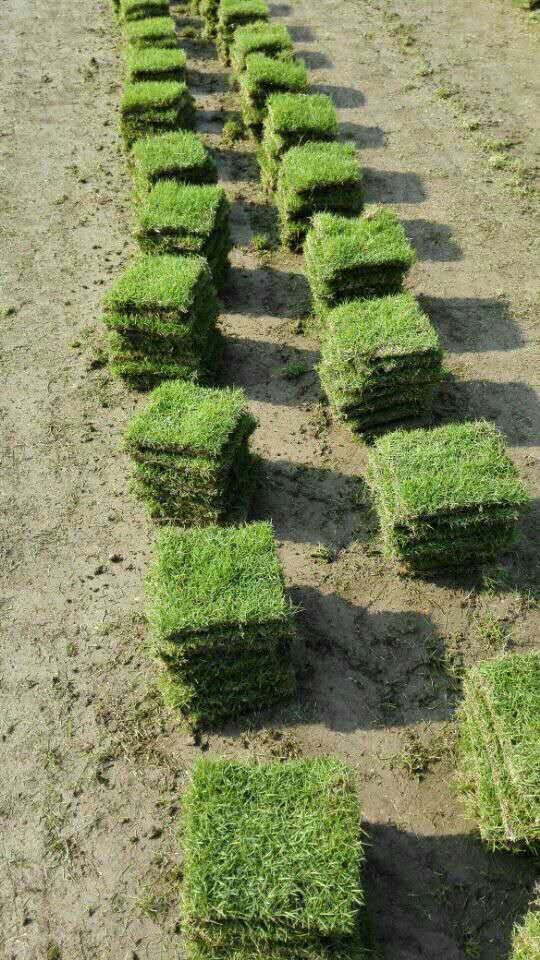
pixel 272 858
pixel 187 218
pixel 154 63
pixel 162 313
pixel 291 120
pixel 446 496
pixel 526 937
pixel 316 177
pixel 191 455
pixel 220 621
pixel 233 14
pixel 350 257
pixel 499 727
pixel 379 357
pixel 272 39
pixel 150 32
pixel 142 9
pixel 152 107
pixel 263 76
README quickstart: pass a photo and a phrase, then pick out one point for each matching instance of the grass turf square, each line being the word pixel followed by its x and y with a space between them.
pixel 349 257
pixel 141 9
pixel 377 354
pixel 150 32
pixel 499 734
pixel 233 14
pixel 154 63
pixel 273 848
pixel 316 177
pixel 445 496
pixel 187 218
pixel 291 120
pixel 152 107
pixel 272 39
pixel 263 76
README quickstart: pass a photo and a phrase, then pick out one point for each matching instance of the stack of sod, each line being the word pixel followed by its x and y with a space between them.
pixel 154 63
pixel 272 862
pixel 187 218
pixel 263 76
pixel 526 937
pixel 150 32
pixel 154 106
pixel 272 39
pixel 190 447
pixel 447 496
pixel 180 156
pixel 380 360
pixel 220 621
pixel 142 9
pixel 291 120
pixel 162 315
pixel 312 178
pixel 233 14
pixel 355 257
pixel 499 726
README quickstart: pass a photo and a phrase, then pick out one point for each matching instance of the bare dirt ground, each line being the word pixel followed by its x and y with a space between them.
pixel 440 101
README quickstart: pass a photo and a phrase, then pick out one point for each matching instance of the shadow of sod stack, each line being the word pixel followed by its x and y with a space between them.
pixel 499 726
pixel 272 862
pixel 316 177
pixel 191 453
pixel 221 624
pixel 162 316
pixel 447 496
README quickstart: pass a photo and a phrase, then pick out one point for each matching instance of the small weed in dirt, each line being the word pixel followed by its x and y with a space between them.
pixel 232 132
pixel 54 952
pixel 492 632
pixel 262 243
pixel 421 751
pixel 294 370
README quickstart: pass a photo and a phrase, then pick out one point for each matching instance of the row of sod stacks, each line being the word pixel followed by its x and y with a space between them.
pixel 526 937
pixel 154 63
pixel 272 862
pixel 499 725
pixel 316 177
pixel 293 119
pixel 233 14
pixel 380 361
pixel 262 77
pixel 272 39
pixel 153 107
pixel 180 156
pixel 446 496
pixel 162 313
pixel 187 218
pixel 351 257
pixel 190 447
pixel 143 9
pixel 220 622
pixel 150 32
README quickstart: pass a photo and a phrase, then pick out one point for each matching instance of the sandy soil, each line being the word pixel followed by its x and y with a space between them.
pixel 93 768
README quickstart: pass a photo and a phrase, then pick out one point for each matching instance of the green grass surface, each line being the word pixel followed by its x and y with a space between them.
pixel 350 257
pixel 377 355
pixel 154 63
pixel 499 723
pixel 445 496
pixel 291 120
pixel 179 155
pixel 526 937
pixel 150 32
pixel 272 850
pixel 316 177
pixel 262 76
pixel 209 11
pixel 187 218
pixel 164 286
pixel 152 107
pixel 142 9
pixel 272 39
pixel 233 14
